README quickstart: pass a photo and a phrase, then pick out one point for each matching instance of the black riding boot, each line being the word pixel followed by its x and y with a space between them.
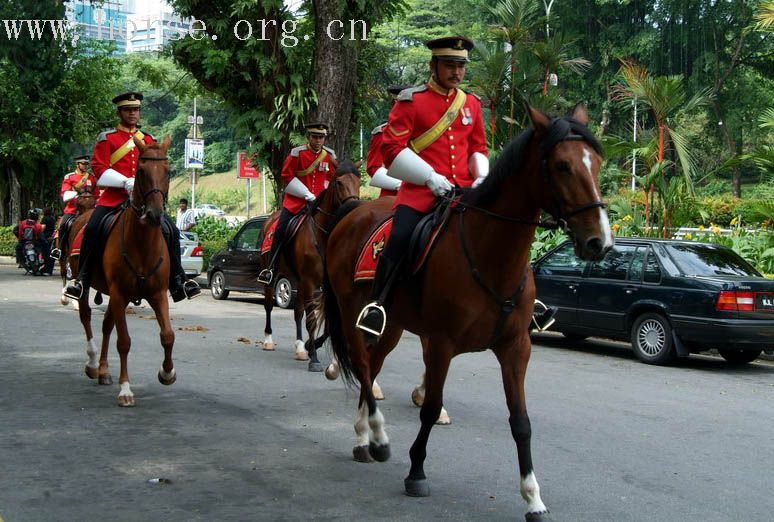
pixel 373 317
pixel 180 287
pixel 79 287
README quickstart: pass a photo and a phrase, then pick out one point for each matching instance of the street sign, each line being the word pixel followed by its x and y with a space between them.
pixel 194 153
pixel 245 168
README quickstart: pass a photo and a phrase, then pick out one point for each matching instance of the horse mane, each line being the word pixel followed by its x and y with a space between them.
pixel 513 156
pixel 347 167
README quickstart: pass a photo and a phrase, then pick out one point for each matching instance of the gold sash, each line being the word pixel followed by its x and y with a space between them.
pixel 310 168
pixel 124 149
pixel 433 133
pixel 82 181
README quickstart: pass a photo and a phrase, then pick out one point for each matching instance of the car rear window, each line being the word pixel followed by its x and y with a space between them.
pixel 706 260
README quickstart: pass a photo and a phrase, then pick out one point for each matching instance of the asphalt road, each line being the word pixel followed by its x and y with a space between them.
pixel 251 435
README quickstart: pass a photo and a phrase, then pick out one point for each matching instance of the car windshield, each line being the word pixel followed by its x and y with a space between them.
pixel 706 260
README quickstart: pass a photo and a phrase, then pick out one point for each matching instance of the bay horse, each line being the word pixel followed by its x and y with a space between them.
pixel 475 290
pixel 302 257
pixel 83 203
pixel 134 266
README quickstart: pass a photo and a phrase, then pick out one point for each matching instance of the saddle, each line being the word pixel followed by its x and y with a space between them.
pixel 293 226
pixel 421 244
pixel 105 227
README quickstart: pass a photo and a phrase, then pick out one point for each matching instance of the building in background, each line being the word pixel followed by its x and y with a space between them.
pixel 153 29
pixel 105 21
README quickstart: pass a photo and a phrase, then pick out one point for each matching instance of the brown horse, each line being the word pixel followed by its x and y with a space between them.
pixel 475 291
pixel 84 202
pixel 134 266
pixel 302 257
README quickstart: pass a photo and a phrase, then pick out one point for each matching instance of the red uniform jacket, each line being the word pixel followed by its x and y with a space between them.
pixel 375 158
pixel 74 181
pixel 416 111
pixel 107 143
pixel 300 159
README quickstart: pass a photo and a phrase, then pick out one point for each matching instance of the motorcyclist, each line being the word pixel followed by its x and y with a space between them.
pixel 28 230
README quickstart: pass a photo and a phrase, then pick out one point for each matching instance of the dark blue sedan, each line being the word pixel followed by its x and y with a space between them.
pixel 669 298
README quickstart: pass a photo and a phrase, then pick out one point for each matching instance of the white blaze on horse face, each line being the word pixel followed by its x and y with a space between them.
pixel 530 491
pixel 376 422
pixel 604 222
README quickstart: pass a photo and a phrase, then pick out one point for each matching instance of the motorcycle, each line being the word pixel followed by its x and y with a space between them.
pixel 33 258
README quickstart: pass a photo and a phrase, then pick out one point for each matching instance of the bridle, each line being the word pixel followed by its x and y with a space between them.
pixel 141 210
pixel 339 200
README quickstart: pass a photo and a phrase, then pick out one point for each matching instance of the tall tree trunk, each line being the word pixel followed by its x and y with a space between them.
pixel 15 192
pixel 335 72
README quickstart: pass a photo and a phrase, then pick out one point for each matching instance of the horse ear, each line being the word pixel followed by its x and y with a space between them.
pixel 139 144
pixel 539 120
pixel 580 114
pixel 166 142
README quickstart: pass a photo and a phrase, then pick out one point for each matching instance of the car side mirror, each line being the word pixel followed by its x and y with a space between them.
pixel 231 244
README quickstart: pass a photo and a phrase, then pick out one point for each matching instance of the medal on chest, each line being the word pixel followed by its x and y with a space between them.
pixel 323 167
pixel 467 118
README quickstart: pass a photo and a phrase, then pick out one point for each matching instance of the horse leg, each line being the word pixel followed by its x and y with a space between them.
pixel 160 305
pixel 362 432
pixel 298 316
pixel 107 328
pixel 268 306
pixel 437 366
pixel 118 307
pixel 311 344
pixel 513 363
pixel 418 397
pixel 332 371
pixel 84 314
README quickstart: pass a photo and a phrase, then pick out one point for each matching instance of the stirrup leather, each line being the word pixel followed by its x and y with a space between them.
pixel 364 312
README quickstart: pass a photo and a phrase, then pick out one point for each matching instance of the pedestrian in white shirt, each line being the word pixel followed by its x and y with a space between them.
pixel 186 218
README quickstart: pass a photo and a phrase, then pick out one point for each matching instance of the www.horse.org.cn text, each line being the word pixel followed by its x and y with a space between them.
pixel 243 30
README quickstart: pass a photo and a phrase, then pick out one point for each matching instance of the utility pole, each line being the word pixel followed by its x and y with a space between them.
pixel 634 152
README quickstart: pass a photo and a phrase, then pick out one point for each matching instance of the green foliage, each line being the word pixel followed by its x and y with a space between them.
pixel 7 241
pixel 544 241
pixel 213 235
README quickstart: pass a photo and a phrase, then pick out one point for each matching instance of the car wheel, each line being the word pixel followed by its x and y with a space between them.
pixel 570 336
pixel 218 286
pixel 739 356
pixel 283 293
pixel 652 339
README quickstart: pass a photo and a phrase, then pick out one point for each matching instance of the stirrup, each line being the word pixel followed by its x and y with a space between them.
pixel 74 290
pixel 55 254
pixel 191 289
pixel 369 310
pixel 545 318
pixel 266 276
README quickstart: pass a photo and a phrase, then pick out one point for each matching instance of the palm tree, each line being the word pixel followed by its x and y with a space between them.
pixel 764 16
pixel 668 102
pixel 516 22
pixel 488 78
pixel 554 55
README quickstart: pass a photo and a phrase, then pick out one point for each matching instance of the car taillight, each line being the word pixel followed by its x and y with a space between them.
pixel 735 301
pixel 197 251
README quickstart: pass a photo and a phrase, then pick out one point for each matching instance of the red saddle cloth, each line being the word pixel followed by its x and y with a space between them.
pixel 365 269
pixel 294 225
pixel 104 230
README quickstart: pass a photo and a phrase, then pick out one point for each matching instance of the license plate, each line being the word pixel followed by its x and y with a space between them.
pixel 764 302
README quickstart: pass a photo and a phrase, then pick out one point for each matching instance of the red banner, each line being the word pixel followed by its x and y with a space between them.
pixel 245 168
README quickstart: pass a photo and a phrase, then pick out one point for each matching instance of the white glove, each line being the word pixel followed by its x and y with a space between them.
pixel 478 181
pixel 309 196
pixel 129 185
pixel 438 184
pixel 68 195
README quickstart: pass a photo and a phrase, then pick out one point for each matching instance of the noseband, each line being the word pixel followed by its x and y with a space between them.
pixel 141 210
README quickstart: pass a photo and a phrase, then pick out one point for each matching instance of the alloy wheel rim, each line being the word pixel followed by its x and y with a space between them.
pixel 651 337
pixel 217 284
pixel 283 293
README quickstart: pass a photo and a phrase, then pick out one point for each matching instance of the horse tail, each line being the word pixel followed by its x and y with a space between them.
pixel 328 314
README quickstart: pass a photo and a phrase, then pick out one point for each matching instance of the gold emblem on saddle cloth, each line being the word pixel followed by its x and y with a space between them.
pixel 377 248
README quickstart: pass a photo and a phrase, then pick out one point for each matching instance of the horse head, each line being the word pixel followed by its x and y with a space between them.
pixel 569 187
pixel 345 182
pixel 149 197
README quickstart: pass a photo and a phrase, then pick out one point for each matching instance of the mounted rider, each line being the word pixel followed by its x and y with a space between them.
pixel 72 185
pixel 306 172
pixel 434 138
pixel 375 160
pixel 114 162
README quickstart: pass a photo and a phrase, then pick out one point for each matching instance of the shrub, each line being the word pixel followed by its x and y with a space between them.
pixel 7 241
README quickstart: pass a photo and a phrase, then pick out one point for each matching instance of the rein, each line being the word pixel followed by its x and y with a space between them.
pixel 139 211
pixel 310 212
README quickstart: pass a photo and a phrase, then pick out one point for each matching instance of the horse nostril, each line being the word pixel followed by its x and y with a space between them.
pixel 594 245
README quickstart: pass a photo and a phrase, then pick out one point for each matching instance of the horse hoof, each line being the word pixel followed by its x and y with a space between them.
pixel 169 380
pixel 125 401
pixel 315 366
pixel 443 418
pixel 269 347
pixel 417 488
pixel 64 300
pixel 361 454
pixel 538 516
pixel 91 373
pixel 105 379
pixel 380 452
pixel 331 373
pixel 301 356
pixel 417 397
